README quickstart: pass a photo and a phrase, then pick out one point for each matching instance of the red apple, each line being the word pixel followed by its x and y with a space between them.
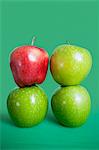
pixel 29 65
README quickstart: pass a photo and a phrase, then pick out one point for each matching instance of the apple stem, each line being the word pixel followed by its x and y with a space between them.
pixel 33 40
pixel 68 42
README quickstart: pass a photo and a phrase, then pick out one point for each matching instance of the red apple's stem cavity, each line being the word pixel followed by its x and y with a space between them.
pixel 33 40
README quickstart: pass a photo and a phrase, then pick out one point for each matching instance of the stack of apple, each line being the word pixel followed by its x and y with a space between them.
pixel 69 65
pixel 27 105
pixel 71 103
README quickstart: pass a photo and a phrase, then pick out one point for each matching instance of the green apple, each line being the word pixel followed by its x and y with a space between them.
pixel 70 64
pixel 27 106
pixel 71 105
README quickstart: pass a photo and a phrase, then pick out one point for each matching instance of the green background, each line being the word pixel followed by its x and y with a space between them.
pixel 53 23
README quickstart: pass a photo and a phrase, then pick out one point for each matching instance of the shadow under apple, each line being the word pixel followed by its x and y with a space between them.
pixel 6 120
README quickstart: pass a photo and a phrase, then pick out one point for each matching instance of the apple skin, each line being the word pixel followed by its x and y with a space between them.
pixel 71 105
pixel 29 65
pixel 70 64
pixel 27 106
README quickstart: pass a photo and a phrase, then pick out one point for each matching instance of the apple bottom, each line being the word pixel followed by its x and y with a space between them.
pixel 71 105
pixel 27 106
